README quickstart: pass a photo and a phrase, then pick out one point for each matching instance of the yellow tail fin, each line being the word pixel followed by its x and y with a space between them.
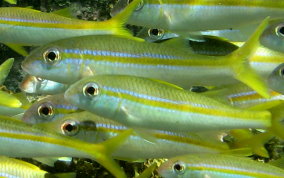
pixel 240 64
pixel 122 17
pixel 106 148
pixel 5 69
pixel 277 124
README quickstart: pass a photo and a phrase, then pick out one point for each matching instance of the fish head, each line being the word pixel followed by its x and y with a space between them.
pixel 174 168
pixel 90 94
pixel 39 112
pixel 273 36
pixel 51 62
pixel 276 79
pixel 48 109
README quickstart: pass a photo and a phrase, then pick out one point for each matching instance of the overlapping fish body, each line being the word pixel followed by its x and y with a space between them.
pixel 188 15
pixel 26 26
pixel 241 96
pixel 38 142
pixel 217 166
pixel 263 61
pixel 160 144
pixel 69 60
pixel 147 103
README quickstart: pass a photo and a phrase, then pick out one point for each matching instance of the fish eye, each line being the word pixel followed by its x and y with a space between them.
pixel 280 30
pixel 46 111
pixel 281 72
pixel 179 168
pixel 51 55
pixel 156 33
pixel 70 128
pixel 140 5
pixel 91 89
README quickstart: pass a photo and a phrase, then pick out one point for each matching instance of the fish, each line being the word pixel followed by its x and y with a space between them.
pixel 217 166
pixel 79 57
pixel 37 85
pixel 39 142
pixel 29 27
pixel 241 96
pixel 150 104
pixel 275 79
pixel 144 145
pixel 239 34
pixel 186 15
pixel 263 61
pixel 10 167
pixel 48 109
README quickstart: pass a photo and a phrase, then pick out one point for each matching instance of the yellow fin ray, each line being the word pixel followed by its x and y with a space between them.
pixel 240 64
pixel 17 48
pixel 5 69
pixel 121 18
pixel 9 100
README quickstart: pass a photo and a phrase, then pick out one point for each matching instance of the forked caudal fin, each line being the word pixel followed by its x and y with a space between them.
pixel 122 17
pixel 240 64
pixel 107 148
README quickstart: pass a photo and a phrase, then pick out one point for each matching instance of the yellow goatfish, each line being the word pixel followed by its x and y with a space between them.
pixel 12 168
pixel 217 166
pixel 143 145
pixel 19 139
pixel 71 59
pixel 146 103
pixel 198 15
pixel 23 26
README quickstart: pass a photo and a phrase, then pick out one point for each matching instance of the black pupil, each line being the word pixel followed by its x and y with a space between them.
pixel 45 111
pixel 51 56
pixel 178 167
pixel 155 32
pixel 282 72
pixel 69 127
pixel 281 30
pixel 91 90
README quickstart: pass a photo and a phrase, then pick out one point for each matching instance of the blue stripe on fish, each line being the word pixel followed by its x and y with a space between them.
pixel 119 54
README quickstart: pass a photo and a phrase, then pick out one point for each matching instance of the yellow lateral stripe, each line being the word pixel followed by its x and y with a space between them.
pixel 243 3
pixel 254 96
pixel 265 59
pixel 188 141
pixel 41 138
pixel 188 108
pixel 103 25
pixel 198 61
